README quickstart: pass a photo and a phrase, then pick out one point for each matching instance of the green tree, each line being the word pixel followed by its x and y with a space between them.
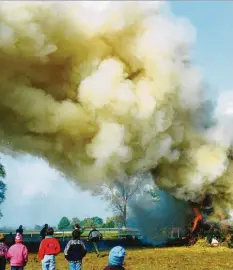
pixel 2 185
pixel 64 224
pixel 87 222
pixel 97 221
pixel 74 221
pixel 110 223
pixel 114 222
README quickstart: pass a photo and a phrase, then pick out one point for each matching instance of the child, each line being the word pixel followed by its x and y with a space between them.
pixel 116 259
pixel 75 251
pixel 18 254
pixel 49 248
pixel 3 252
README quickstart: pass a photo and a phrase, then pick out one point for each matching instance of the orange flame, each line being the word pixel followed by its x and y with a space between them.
pixel 197 219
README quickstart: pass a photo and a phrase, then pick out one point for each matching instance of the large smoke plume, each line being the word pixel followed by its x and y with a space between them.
pixel 101 90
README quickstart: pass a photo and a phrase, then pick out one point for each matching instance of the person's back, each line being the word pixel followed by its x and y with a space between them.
pixel 43 231
pixel 49 248
pixel 18 253
pixel 20 230
pixel 94 235
pixel 116 259
pixel 78 229
pixel 75 251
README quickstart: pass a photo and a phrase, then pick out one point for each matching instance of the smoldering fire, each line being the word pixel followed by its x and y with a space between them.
pixel 105 92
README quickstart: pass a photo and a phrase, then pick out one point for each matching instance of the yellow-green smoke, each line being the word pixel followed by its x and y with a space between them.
pixel 105 89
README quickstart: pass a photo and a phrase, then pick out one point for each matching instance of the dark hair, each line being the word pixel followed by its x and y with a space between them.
pixel 77 226
pixel 50 231
pixel 46 225
pixel 76 235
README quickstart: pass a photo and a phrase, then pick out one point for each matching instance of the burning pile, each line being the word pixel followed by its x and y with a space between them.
pixel 102 90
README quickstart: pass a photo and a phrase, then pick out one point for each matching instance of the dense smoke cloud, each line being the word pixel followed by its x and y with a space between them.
pixel 101 90
pixel 156 215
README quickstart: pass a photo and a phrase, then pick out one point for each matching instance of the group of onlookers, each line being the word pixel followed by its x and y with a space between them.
pixel 17 254
pixel 75 250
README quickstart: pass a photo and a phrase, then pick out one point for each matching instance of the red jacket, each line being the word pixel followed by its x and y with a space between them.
pixel 48 246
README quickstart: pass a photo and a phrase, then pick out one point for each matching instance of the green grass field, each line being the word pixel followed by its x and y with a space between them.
pixel 182 258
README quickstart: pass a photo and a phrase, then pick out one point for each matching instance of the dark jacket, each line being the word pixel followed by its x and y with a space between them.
pixel 43 232
pixel 79 230
pixel 114 268
pixel 75 250
pixel 94 236
pixel 19 230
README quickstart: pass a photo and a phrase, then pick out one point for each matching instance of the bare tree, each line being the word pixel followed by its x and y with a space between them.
pixel 119 193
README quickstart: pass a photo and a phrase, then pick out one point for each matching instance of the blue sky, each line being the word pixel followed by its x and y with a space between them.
pixel 45 197
pixel 214 43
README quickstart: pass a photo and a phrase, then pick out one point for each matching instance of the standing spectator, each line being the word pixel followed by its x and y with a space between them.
pixel 79 229
pixel 20 230
pixel 43 231
pixel 49 248
pixel 94 237
pixel 75 251
pixel 116 259
pixel 18 254
pixel 3 252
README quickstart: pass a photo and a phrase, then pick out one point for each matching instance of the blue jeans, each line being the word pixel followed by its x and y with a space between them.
pixel 17 267
pixel 48 263
pixel 75 265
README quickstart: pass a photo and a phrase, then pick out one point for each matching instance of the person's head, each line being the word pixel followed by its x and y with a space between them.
pixel 76 235
pixel 18 238
pixel 21 227
pixel 46 225
pixel 50 231
pixel 77 226
pixel 92 227
pixel 2 238
pixel 116 256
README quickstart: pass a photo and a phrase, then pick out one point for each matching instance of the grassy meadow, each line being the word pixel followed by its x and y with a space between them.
pixel 196 258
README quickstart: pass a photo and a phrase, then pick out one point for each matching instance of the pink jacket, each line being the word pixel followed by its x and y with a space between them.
pixel 18 254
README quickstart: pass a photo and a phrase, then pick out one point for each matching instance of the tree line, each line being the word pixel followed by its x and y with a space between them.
pixel 66 224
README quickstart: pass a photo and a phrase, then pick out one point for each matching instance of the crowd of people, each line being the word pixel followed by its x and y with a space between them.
pixel 74 252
